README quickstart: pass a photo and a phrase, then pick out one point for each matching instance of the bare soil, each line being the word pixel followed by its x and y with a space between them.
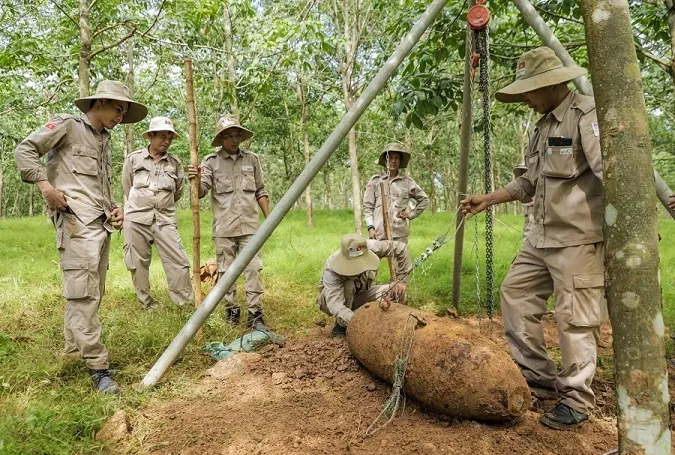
pixel 313 397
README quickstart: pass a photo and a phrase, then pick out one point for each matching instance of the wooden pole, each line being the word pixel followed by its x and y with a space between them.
pixel 194 185
pixel 387 232
pixel 464 147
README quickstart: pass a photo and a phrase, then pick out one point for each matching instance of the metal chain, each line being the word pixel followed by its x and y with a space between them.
pixel 482 47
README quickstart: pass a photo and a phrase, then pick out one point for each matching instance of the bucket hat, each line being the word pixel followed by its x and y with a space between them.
pixel 225 123
pixel 355 257
pixel 394 147
pixel 160 124
pixel 535 69
pixel 114 90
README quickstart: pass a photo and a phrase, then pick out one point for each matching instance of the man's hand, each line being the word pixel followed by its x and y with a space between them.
pixel 671 203
pixel 474 204
pixel 117 218
pixel 403 214
pixel 399 290
pixel 371 233
pixel 55 199
pixel 193 171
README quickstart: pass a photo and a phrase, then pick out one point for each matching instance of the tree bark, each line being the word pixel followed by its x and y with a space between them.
pixel 231 81
pixel 630 231
pixel 129 129
pixel 304 127
pixel 85 49
pixel 328 197
pixel 351 34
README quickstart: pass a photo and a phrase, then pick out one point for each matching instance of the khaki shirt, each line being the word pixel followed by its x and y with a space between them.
pixel 399 190
pixel 152 187
pixel 236 183
pixel 338 288
pixel 565 181
pixel 79 164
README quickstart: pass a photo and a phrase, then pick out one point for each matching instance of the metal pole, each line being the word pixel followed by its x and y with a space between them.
pixel 464 147
pixel 547 36
pixel 294 192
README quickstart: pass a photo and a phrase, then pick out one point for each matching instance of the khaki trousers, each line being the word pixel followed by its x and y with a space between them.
pixel 84 252
pixel 138 240
pixel 575 276
pixel 227 249
pixel 353 300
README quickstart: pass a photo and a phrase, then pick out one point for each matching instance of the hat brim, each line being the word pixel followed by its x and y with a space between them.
pixel 146 134
pixel 405 158
pixel 344 266
pixel 513 93
pixel 135 113
pixel 245 135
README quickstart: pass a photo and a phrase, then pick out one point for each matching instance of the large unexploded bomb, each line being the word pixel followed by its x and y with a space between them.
pixel 452 369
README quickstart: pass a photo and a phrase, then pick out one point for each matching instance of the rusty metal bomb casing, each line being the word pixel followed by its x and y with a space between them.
pixel 452 368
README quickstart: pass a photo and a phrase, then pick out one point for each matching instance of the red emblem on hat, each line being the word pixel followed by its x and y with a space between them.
pixel 50 126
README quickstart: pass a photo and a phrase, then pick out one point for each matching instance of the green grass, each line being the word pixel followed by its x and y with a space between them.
pixel 47 404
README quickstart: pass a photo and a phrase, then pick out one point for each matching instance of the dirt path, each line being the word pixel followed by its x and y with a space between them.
pixel 313 397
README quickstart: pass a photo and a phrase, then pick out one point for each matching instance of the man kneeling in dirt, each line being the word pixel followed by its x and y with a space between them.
pixel 348 275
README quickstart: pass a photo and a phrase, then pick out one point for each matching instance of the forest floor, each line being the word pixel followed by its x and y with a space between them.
pixel 313 397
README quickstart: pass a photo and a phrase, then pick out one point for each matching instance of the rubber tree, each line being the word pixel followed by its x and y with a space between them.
pixel 630 231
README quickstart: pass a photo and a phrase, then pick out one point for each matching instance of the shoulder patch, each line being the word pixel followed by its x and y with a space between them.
pixel 210 155
pixel 584 103
pixel 50 126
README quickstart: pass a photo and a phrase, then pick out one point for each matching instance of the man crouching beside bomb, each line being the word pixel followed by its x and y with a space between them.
pixel 348 275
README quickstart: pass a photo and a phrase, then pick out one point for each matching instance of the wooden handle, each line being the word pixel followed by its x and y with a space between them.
pixel 387 232
pixel 194 184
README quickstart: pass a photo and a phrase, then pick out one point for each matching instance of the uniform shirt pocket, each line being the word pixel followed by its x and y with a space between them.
pixel 167 181
pixel 141 177
pixel 85 160
pixel 561 162
pixel 247 181
pixel 223 184
pixel 589 307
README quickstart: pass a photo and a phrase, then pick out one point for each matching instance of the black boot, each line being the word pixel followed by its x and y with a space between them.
pixel 562 417
pixel 256 322
pixel 541 391
pixel 339 331
pixel 103 382
pixel 233 316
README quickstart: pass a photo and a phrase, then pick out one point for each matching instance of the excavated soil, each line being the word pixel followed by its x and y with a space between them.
pixel 313 397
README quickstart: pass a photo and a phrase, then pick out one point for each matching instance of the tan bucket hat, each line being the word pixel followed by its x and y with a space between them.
pixel 355 257
pixel 519 169
pixel 394 147
pixel 225 123
pixel 160 124
pixel 114 90
pixel 535 69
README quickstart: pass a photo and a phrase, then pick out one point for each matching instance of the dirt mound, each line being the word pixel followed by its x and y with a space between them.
pixel 313 397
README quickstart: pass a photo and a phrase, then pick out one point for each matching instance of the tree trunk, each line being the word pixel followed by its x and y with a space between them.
pixel 671 28
pixel 129 129
pixel 85 49
pixel 348 55
pixel 31 201
pixel 231 81
pixel 328 197
pixel 304 124
pixel 630 229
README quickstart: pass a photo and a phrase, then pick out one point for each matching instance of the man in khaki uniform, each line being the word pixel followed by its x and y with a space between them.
pixel 235 179
pixel 348 274
pixel 563 254
pixel 519 170
pixel 399 189
pixel 153 181
pixel 77 189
